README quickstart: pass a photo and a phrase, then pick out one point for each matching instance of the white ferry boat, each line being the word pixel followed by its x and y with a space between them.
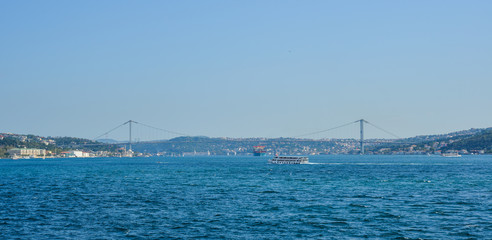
pixel 451 154
pixel 288 160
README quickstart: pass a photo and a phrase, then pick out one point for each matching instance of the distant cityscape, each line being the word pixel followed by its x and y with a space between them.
pixel 14 146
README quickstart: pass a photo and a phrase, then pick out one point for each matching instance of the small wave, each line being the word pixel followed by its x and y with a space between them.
pixel 358 205
pixel 441 213
pixel 464 234
pixel 339 223
pixel 269 191
pixel 315 208
pixel 368 196
pixel 388 215
pixel 383 164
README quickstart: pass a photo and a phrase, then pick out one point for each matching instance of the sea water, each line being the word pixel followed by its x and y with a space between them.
pixel 336 197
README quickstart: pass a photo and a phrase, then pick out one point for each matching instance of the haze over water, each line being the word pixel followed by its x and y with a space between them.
pixel 395 197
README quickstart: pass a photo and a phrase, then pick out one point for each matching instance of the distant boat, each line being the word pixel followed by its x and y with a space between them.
pixel 259 151
pixel 289 160
pixel 451 154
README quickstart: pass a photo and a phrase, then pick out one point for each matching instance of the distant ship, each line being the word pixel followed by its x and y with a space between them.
pixel 259 151
pixel 289 160
pixel 451 154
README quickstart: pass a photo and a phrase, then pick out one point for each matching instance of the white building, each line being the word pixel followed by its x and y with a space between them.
pixel 76 154
pixel 26 152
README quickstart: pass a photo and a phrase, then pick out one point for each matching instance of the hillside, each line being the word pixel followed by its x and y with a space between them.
pixel 481 141
pixel 54 145
pixel 466 142
pixel 244 146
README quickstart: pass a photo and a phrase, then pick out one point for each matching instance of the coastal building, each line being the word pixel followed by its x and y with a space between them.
pixel 75 154
pixel 26 152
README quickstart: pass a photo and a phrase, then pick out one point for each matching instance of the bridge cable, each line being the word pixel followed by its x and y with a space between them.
pixel 312 133
pixel 164 130
pixel 111 130
pixel 388 132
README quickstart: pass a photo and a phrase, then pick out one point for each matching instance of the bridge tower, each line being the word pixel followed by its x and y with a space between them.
pixel 130 136
pixel 130 152
pixel 361 136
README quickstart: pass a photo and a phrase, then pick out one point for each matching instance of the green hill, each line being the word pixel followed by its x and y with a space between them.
pixel 52 144
pixel 481 141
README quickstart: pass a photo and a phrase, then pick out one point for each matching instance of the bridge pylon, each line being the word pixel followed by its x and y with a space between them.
pixel 361 135
pixel 129 152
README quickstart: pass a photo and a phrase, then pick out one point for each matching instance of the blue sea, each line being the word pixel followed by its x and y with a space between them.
pixel 337 197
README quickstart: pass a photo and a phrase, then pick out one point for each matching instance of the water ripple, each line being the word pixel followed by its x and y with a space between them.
pixel 245 198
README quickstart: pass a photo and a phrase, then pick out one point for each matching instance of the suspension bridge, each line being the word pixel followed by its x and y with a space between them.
pixel 160 134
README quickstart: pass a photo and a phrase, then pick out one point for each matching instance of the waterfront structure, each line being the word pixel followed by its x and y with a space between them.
pixel 76 154
pixel 259 150
pixel 26 152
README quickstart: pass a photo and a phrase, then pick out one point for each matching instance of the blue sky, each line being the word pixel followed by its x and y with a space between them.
pixel 245 68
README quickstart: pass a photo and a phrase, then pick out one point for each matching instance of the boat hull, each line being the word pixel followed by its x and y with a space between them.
pixel 289 160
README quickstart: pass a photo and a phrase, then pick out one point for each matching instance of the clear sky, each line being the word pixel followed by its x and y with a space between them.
pixel 245 68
